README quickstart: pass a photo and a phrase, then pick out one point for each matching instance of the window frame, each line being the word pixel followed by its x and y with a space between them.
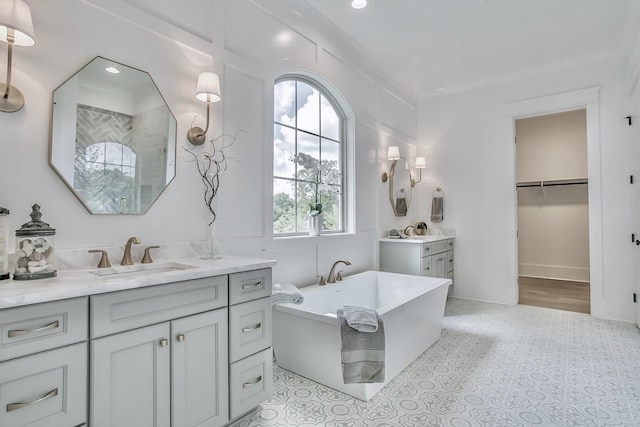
pixel 344 151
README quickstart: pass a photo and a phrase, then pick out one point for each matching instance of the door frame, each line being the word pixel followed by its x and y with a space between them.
pixel 588 99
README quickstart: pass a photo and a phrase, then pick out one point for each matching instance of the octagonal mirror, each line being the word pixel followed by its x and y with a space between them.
pixel 113 138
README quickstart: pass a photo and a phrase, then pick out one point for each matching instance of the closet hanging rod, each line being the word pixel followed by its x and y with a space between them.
pixel 552 183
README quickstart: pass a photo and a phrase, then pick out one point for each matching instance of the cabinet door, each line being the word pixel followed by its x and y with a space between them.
pixel 46 389
pixel 130 382
pixel 439 265
pixel 199 374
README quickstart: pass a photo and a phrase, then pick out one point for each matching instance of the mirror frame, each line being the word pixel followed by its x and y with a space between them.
pixel 70 185
pixel 392 192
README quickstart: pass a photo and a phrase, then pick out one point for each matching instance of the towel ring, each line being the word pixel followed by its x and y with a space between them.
pixel 438 192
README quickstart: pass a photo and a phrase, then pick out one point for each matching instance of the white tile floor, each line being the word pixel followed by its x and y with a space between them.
pixel 494 366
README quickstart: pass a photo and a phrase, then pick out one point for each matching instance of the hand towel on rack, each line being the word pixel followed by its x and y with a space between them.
pixel 363 353
pixel 286 293
pixel 437 205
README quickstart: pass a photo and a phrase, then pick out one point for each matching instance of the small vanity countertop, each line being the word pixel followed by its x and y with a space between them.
pixel 77 283
pixel 416 239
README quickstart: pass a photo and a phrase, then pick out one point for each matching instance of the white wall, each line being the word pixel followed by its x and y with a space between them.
pixel 249 43
pixel 634 134
pixel 468 138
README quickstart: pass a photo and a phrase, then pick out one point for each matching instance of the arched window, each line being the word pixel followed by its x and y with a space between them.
pixel 308 157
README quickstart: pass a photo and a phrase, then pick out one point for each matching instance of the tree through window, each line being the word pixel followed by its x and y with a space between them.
pixel 308 156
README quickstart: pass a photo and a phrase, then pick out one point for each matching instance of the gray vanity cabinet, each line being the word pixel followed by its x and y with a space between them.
pixel 433 258
pixel 172 373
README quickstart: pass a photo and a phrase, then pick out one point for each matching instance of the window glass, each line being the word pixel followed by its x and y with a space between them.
pixel 308 159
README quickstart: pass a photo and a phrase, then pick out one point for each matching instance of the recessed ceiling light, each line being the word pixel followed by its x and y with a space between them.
pixel 359 4
pixel 112 70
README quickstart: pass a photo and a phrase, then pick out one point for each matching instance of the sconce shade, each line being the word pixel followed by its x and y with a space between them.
pixel 208 88
pixel 393 153
pixel 16 14
pixel 421 163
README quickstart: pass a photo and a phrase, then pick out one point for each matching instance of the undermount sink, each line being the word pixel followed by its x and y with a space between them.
pixel 141 269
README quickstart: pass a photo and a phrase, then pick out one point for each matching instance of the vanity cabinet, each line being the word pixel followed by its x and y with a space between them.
pixel 195 352
pixel 160 374
pixel 43 364
pixel 408 256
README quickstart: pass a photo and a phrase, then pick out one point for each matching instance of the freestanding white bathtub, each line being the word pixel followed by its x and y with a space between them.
pixel 306 337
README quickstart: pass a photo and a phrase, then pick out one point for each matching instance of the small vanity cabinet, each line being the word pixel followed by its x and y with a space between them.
pixel 43 364
pixel 432 257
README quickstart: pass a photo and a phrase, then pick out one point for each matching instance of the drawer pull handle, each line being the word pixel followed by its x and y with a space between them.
pixel 245 330
pixel 180 337
pixel 257 381
pixel 18 332
pixel 440 259
pixel 163 342
pixel 14 406
pixel 254 286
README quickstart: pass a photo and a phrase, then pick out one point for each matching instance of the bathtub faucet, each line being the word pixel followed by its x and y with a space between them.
pixel 332 276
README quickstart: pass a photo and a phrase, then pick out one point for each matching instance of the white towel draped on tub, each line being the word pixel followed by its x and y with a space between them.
pixel 363 353
pixel 286 293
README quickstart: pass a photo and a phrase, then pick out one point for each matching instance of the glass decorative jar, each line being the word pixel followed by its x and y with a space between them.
pixel 35 249
pixel 4 244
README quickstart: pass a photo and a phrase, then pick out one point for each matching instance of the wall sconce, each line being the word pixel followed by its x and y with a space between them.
pixel 207 90
pixel 393 154
pixel 16 28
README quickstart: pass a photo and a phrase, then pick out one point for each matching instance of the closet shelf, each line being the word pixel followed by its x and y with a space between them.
pixel 552 182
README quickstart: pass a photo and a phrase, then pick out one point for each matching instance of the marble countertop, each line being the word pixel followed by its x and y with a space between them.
pixel 416 239
pixel 83 282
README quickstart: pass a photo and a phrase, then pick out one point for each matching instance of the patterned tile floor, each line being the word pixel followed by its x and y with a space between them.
pixel 494 366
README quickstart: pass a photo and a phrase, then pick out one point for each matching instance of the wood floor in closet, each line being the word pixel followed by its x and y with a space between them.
pixel 558 294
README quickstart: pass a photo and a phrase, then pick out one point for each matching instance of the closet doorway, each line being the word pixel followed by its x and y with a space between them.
pixel 553 211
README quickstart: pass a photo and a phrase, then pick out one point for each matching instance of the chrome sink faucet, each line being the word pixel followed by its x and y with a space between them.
pixel 126 257
pixel 332 276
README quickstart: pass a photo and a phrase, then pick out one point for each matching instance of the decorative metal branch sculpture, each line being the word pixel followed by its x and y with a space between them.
pixel 211 163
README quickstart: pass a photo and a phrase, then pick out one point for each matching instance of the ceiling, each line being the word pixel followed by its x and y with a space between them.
pixel 432 46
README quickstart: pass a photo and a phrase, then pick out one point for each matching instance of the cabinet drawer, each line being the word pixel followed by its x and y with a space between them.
pixel 39 327
pixel 249 328
pixel 251 382
pixel 426 249
pixel 46 390
pixel 134 308
pixel 449 261
pixel 449 244
pixel 439 246
pixel 249 285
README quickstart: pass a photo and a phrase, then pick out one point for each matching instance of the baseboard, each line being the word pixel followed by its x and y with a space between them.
pixel 556 272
